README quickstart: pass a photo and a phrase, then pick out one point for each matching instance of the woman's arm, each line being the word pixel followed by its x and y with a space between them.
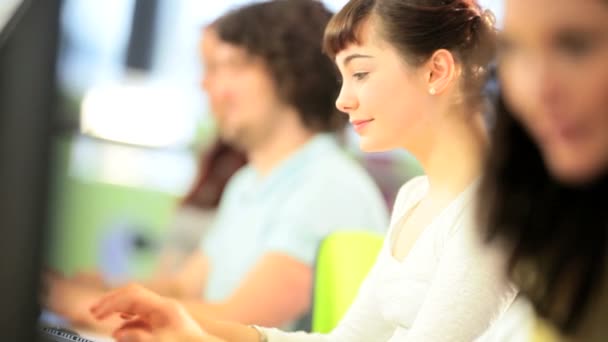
pixel 361 323
pixel 147 314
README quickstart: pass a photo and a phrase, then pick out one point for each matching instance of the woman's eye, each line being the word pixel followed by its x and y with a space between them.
pixel 574 45
pixel 360 75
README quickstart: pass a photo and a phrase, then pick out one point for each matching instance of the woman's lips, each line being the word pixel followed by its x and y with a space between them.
pixel 360 125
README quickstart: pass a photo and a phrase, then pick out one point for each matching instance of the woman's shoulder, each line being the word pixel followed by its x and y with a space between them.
pixel 415 183
pixel 408 195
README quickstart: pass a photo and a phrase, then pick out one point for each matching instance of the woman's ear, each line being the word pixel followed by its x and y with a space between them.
pixel 440 71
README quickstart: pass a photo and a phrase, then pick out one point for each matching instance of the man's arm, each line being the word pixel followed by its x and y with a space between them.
pixel 71 297
pixel 276 291
pixel 187 282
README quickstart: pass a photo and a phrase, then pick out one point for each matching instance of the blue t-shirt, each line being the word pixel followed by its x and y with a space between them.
pixel 316 191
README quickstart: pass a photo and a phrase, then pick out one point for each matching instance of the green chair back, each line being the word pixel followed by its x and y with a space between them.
pixel 343 261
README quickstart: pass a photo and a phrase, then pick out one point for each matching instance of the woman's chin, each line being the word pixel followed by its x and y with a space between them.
pixel 371 145
pixel 575 174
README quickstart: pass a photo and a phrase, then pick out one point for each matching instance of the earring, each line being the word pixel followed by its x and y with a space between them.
pixel 432 91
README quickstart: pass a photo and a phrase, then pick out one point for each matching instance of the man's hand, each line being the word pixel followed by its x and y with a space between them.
pixel 92 278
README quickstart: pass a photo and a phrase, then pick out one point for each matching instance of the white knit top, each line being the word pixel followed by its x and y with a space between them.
pixel 450 287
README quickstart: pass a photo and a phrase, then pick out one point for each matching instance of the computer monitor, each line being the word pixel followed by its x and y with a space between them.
pixel 9 14
pixel 28 49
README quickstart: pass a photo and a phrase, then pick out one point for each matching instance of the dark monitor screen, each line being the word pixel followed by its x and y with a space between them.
pixel 28 48
pixel 10 12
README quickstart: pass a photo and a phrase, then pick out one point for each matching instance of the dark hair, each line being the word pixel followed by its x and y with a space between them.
pixel 418 28
pixel 216 166
pixel 287 35
pixel 557 234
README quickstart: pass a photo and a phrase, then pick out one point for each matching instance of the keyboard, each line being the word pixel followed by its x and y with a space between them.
pixel 58 334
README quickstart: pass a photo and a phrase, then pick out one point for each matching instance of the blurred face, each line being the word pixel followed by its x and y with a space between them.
pixel 554 69
pixel 384 97
pixel 241 92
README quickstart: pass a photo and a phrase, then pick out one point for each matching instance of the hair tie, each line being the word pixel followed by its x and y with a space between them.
pixel 488 17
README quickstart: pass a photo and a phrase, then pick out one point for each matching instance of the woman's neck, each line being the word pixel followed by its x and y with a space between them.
pixel 454 156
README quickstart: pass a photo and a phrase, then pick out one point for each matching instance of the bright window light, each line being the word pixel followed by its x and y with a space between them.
pixel 151 115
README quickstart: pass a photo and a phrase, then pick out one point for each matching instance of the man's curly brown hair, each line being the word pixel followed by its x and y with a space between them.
pixel 287 35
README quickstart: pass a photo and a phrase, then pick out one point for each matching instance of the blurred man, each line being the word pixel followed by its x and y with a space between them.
pixel 272 92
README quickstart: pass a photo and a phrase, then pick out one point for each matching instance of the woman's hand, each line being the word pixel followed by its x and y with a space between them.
pixel 135 334
pixel 149 317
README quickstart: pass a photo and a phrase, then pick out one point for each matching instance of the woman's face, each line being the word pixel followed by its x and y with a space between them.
pixel 385 98
pixel 554 70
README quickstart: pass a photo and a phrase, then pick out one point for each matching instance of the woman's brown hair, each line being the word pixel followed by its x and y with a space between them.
pixel 418 28
pixel 557 234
